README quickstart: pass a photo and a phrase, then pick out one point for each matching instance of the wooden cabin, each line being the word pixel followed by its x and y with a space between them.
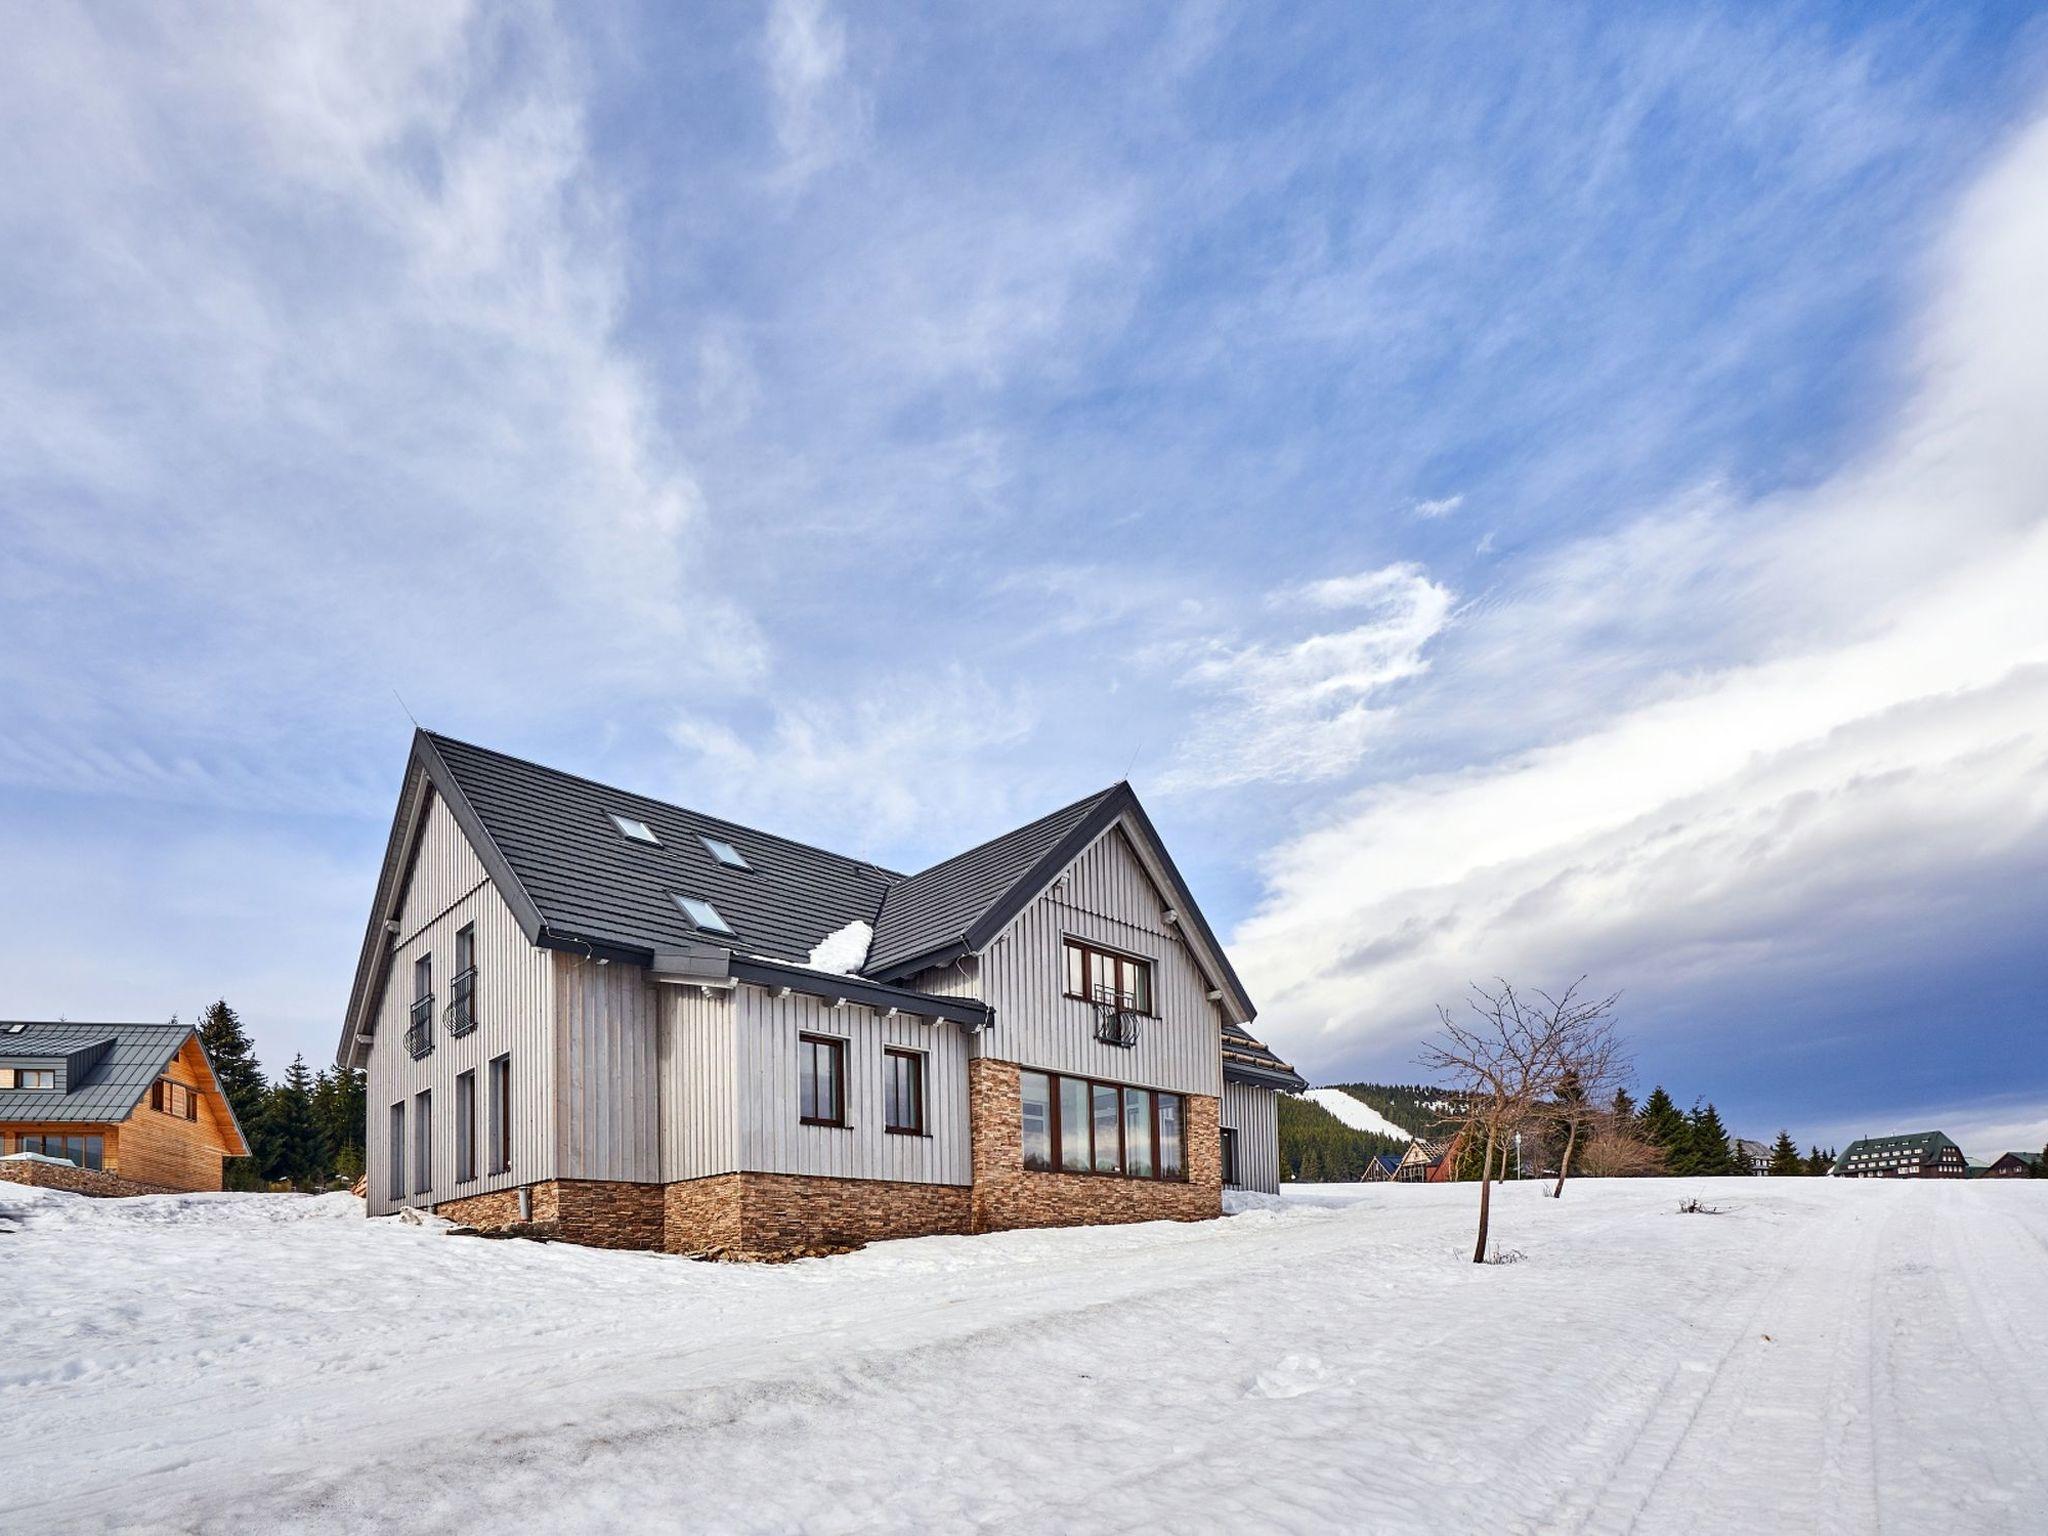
pixel 112 1109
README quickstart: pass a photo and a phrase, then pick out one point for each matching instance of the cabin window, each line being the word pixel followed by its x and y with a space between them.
pixel 398 1150
pixel 725 853
pixel 500 1160
pixel 422 1142
pixel 1229 1156
pixel 904 1091
pixel 1075 1125
pixel 28 1077
pixel 822 1062
pixel 465 1127
pixel 1102 975
pixel 174 1099
pixel 84 1151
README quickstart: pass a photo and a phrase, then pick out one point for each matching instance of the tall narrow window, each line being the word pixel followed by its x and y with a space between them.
pixel 462 985
pixel 1108 1118
pixel 423 977
pixel 465 1127
pixel 904 1098
pixel 422 1142
pixel 821 1060
pixel 1036 1089
pixel 500 1160
pixel 1137 1133
pixel 398 1150
pixel 1229 1156
pixel 1172 1157
pixel 1075 1122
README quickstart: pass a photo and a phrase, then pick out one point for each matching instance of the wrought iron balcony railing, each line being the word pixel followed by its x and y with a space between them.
pixel 460 1015
pixel 420 1038
pixel 1116 1018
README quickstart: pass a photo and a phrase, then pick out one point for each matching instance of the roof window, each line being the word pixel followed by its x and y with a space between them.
pixel 703 914
pixel 725 853
pixel 639 831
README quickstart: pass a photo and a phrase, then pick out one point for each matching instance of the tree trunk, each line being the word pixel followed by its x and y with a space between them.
pixel 1485 1197
pixel 1564 1164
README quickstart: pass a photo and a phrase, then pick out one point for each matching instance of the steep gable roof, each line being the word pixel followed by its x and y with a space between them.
pixel 110 1068
pixel 1246 1060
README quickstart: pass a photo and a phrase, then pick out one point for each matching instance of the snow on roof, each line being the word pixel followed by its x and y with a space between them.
pixel 844 950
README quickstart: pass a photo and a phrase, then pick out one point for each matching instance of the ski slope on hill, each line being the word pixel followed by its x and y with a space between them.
pixel 1356 1113
pixel 1827 1356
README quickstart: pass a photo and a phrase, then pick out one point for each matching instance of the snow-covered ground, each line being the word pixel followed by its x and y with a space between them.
pixel 1356 1113
pixel 1825 1357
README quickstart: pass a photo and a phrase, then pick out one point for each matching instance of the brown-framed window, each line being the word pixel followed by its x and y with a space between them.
pixel 423 1141
pixel 499 1159
pixel 28 1077
pixel 903 1091
pixel 821 1068
pixel 85 1151
pixel 398 1150
pixel 174 1099
pixel 1078 1125
pixel 1099 975
pixel 465 1127
pixel 1230 1156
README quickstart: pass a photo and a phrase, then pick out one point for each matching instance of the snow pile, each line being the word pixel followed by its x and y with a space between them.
pixel 1356 1113
pixel 844 950
pixel 1831 1352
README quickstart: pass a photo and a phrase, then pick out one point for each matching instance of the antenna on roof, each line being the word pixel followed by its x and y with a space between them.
pixel 408 712
pixel 1133 763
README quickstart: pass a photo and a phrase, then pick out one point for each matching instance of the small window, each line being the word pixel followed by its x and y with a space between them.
pixel 465 948
pixel 1230 1157
pixel 904 1096
pixel 726 854
pixel 174 1099
pixel 465 1127
pixel 28 1077
pixel 639 831
pixel 703 914
pixel 422 1142
pixel 1102 975
pixel 821 1062
pixel 423 977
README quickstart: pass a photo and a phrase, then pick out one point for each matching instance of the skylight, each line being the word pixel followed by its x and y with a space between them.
pixel 703 914
pixel 725 853
pixel 639 831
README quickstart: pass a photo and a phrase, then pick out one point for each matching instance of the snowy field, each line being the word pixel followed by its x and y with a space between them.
pixel 1824 1357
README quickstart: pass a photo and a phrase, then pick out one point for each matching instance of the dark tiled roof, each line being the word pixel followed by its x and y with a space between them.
pixel 107 1089
pixel 942 905
pixel 1250 1060
pixel 589 880
pixel 1926 1146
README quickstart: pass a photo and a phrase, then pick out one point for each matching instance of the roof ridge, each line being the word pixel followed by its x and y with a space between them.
pixel 673 805
pixel 1023 826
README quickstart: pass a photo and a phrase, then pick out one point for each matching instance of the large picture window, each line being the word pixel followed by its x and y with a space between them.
pixel 85 1151
pixel 821 1062
pixel 1098 974
pixel 1075 1125
pixel 903 1091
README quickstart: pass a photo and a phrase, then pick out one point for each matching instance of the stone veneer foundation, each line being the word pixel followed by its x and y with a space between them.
pixel 771 1215
pixel 79 1181
pixel 1007 1194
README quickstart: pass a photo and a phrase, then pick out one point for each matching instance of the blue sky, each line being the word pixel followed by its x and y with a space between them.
pixel 1520 491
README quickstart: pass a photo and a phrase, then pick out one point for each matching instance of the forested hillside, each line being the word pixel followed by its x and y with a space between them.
pixel 1419 1110
pixel 1317 1147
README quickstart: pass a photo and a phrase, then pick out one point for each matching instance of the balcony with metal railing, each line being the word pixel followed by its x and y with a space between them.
pixel 419 1039
pixel 460 1015
pixel 1116 1018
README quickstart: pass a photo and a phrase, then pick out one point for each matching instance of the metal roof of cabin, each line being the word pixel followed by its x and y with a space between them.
pixel 941 906
pixel 591 881
pixel 110 1087
pixel 1247 1060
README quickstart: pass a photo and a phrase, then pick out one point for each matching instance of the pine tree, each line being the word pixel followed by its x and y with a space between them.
pixel 291 1140
pixel 1624 1110
pixel 339 1107
pixel 1785 1159
pixel 2041 1168
pixel 241 1080
pixel 1818 1163
pixel 1662 1125
pixel 1711 1154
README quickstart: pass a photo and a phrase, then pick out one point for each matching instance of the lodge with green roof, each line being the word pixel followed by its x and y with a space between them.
pixel 1920 1155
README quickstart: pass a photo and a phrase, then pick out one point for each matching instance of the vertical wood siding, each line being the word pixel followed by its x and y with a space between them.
pixel 1104 895
pixel 1254 1113
pixel 445 889
pixel 699 1066
pixel 608 1096
pixel 772 1138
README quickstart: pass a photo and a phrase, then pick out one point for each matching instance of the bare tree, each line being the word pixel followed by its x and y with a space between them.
pixel 1595 1067
pixel 1509 1057
pixel 1613 1151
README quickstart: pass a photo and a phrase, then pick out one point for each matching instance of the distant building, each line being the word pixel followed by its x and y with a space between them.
pixel 1754 1156
pixel 1428 1162
pixel 2015 1165
pixel 1381 1168
pixel 1922 1155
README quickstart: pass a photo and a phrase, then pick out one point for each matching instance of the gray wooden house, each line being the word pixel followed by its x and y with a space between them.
pixel 621 1022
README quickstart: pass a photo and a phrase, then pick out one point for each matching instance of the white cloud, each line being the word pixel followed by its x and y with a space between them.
pixel 818 114
pixel 1304 709
pixel 1876 745
pixel 1443 506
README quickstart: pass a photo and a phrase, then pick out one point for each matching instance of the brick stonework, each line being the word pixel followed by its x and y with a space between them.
pixel 79 1181
pixel 1006 1194
pixel 597 1213
pixel 766 1215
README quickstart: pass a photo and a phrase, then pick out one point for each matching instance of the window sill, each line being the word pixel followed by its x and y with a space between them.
pixel 899 1130
pixel 827 1125
pixel 1075 997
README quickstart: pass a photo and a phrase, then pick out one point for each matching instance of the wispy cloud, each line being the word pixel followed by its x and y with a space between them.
pixel 818 112
pixel 1442 506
